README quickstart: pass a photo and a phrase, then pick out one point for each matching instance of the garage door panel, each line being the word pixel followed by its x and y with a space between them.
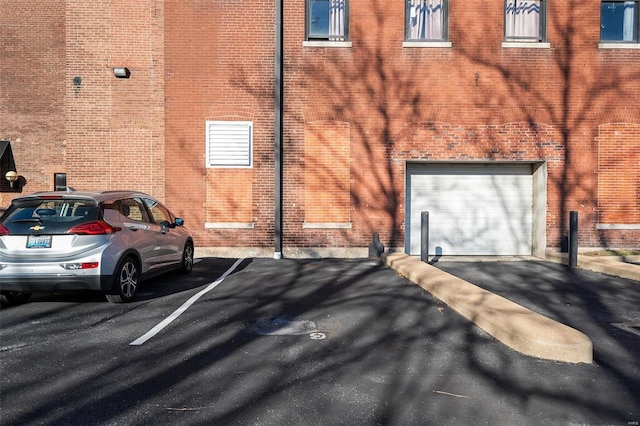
pixel 473 210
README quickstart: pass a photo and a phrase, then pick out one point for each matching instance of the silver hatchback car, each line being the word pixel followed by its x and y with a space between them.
pixel 106 241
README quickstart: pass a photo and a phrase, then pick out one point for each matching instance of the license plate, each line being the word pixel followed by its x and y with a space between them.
pixel 39 241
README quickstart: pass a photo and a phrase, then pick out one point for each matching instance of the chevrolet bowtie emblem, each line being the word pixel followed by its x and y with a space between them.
pixel 37 228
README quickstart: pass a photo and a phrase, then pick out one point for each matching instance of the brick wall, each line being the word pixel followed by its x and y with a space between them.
pixel 32 71
pixel 475 101
pixel 572 105
pixel 62 107
pixel 619 174
pixel 114 126
pixel 327 173
pixel 219 66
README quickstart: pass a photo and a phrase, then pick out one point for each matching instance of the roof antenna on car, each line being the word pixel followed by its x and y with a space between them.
pixel 70 189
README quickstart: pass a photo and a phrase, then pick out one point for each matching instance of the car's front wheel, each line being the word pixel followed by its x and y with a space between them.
pixel 187 258
pixel 12 298
pixel 125 281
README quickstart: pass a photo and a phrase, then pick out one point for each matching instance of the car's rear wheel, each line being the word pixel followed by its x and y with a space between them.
pixel 125 281
pixel 187 258
pixel 14 297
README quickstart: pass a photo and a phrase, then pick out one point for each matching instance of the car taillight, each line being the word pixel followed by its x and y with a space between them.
pixel 97 227
pixel 3 230
pixel 76 266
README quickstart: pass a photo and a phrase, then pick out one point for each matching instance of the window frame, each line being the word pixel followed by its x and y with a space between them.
pixel 636 25
pixel 542 26
pixel 229 163
pixel 130 202
pixel 310 37
pixel 445 25
pixel 152 206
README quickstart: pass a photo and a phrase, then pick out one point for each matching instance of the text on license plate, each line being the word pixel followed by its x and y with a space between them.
pixel 39 241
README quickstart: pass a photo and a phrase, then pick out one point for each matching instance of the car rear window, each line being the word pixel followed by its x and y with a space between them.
pixel 46 216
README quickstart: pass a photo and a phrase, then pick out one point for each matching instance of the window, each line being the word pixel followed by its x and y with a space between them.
pixel 619 21
pixel 426 20
pixel 127 208
pixel 327 175
pixel 618 174
pixel 159 213
pixel 328 20
pixel 524 21
pixel 229 143
pixel 56 216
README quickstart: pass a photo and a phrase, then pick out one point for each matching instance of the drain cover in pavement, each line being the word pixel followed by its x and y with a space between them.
pixel 282 325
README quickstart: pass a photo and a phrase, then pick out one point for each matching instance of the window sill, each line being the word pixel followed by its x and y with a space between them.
pixel 618 45
pixel 525 45
pixel 229 225
pixel 427 44
pixel 617 226
pixel 327 43
pixel 326 225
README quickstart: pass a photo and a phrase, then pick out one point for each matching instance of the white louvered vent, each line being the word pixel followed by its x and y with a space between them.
pixel 229 143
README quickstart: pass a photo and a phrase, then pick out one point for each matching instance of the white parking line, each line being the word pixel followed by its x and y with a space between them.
pixel 155 330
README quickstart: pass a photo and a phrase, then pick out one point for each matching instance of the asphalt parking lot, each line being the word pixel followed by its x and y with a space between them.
pixel 313 342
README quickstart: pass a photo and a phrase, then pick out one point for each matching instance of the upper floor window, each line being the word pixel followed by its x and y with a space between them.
pixel 619 21
pixel 328 20
pixel 426 20
pixel 524 20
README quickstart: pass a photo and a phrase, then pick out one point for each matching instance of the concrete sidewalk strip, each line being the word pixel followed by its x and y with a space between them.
pixel 621 266
pixel 510 323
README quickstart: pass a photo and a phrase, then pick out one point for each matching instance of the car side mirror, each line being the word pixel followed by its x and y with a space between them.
pixel 179 221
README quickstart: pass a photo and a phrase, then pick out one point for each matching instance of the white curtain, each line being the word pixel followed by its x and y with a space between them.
pixel 425 19
pixel 627 26
pixel 336 19
pixel 522 19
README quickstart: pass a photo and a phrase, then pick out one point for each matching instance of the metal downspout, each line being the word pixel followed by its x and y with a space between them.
pixel 278 138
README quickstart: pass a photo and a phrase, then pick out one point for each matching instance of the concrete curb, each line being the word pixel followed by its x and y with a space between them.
pixel 623 267
pixel 514 325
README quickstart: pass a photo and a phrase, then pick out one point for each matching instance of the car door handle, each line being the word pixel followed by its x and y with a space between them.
pixel 136 226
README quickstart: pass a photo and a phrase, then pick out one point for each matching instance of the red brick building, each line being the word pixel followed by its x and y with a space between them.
pixel 498 121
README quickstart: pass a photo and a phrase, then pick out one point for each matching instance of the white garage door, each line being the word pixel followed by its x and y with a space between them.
pixel 474 209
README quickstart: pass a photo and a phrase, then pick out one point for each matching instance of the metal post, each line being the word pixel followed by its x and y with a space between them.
pixel 573 239
pixel 278 131
pixel 376 248
pixel 424 237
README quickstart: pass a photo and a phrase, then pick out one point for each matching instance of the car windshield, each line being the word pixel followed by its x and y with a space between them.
pixel 48 216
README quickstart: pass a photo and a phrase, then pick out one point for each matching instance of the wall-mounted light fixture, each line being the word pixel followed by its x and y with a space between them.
pixel 12 177
pixel 60 181
pixel 77 82
pixel 121 72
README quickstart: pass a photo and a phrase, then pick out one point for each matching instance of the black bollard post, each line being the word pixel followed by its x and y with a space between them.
pixel 573 239
pixel 376 248
pixel 424 237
